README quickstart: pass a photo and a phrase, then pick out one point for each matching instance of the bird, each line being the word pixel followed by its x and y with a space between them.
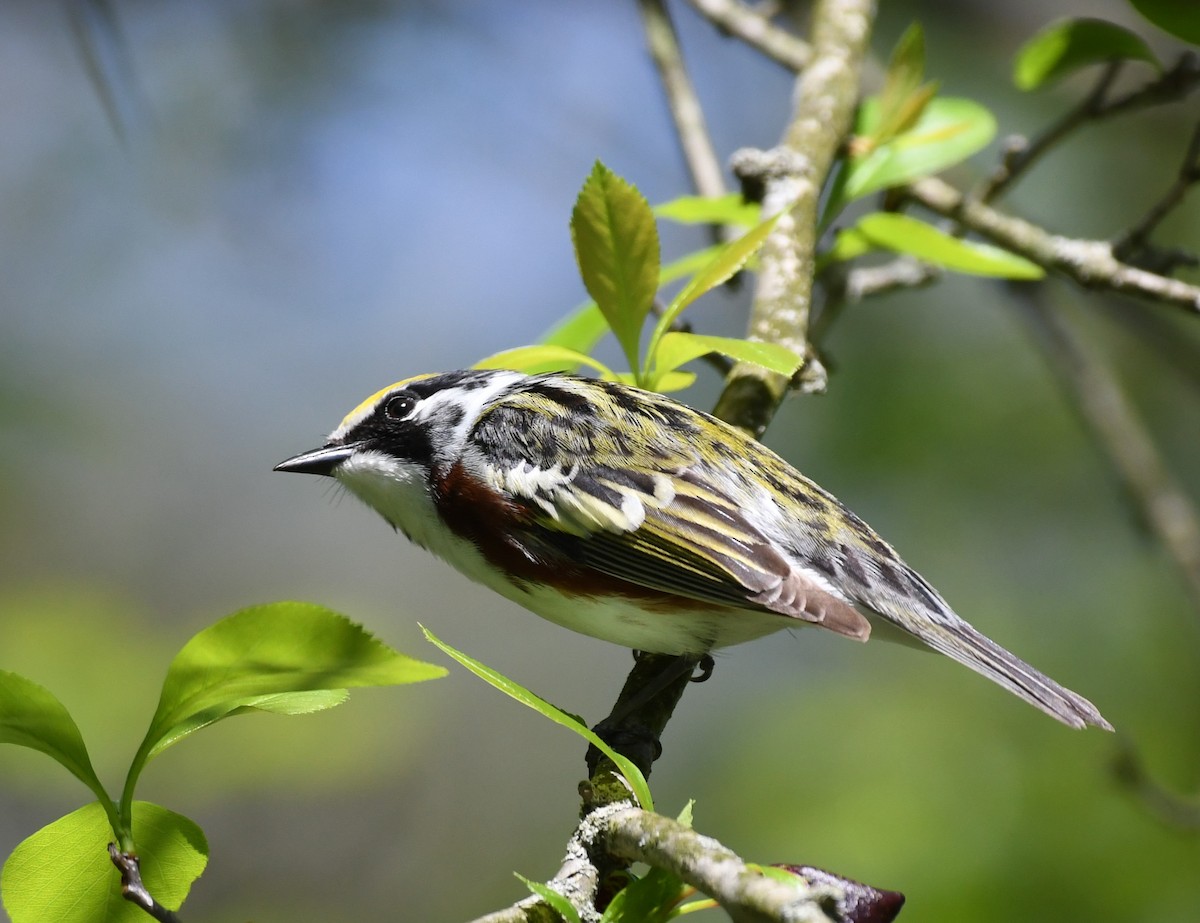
pixel 631 517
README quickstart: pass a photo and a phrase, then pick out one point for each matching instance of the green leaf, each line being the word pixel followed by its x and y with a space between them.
pixel 580 330
pixel 63 872
pixel 649 899
pixel 616 246
pixel 583 328
pixel 849 244
pixel 301 703
pixel 903 97
pixel 1066 45
pixel 637 782
pixel 1178 17
pixel 688 265
pixel 30 716
pixel 258 659
pixel 904 234
pixel 563 907
pixel 949 130
pixel 542 358
pixel 677 348
pixel 726 209
pixel 666 383
pixel 727 260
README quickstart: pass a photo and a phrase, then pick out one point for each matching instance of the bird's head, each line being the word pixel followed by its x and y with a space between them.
pixel 390 445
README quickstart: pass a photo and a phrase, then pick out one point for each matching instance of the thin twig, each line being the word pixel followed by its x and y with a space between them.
pixel 864 282
pixel 132 888
pixel 702 162
pixel 1021 153
pixel 1091 263
pixel 756 30
pixel 1172 809
pixel 1112 419
pixel 109 64
pixel 1134 244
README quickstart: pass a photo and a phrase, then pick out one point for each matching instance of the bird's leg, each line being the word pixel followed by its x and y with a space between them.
pixel 644 706
pixel 705 665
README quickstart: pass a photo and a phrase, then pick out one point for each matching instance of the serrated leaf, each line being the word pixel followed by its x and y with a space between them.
pixel 633 775
pixel 563 907
pixel 616 246
pixel 904 234
pixel 63 872
pixel 949 130
pixel 677 348
pixel 584 327
pixel 250 659
pixel 726 209
pixel 1066 45
pixel 542 358
pixel 728 259
pixel 31 716
pixel 1178 17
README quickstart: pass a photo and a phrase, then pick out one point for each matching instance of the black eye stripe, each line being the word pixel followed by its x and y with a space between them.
pixel 399 406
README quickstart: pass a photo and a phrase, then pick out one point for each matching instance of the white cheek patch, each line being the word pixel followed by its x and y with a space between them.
pixel 397 490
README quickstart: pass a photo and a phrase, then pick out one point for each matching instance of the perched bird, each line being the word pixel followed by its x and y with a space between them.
pixel 630 517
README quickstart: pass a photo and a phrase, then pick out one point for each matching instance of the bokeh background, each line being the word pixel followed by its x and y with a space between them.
pixel 314 199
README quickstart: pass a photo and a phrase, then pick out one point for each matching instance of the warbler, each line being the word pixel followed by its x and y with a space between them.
pixel 628 516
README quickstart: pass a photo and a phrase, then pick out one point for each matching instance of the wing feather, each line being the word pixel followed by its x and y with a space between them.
pixel 673 524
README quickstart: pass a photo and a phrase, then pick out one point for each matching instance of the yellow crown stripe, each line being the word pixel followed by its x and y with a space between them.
pixel 367 405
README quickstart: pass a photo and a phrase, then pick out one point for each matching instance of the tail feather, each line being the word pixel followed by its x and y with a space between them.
pixel 958 640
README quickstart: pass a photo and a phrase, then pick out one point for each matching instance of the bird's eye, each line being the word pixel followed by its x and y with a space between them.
pixel 399 406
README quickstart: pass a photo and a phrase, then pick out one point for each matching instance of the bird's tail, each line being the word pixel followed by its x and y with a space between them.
pixel 957 639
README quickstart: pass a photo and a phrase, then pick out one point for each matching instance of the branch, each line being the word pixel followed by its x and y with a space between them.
pixel 132 888
pixel 1172 809
pixel 1091 263
pixel 742 889
pixel 1134 244
pixel 736 19
pixel 864 282
pixel 1021 153
pixel 1107 412
pixel 791 177
pixel 841 30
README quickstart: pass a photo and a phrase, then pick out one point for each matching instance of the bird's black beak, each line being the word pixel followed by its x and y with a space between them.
pixel 317 461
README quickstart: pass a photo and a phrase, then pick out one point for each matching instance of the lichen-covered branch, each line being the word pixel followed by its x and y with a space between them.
pixel 790 178
pixel 1091 263
pixel 743 890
